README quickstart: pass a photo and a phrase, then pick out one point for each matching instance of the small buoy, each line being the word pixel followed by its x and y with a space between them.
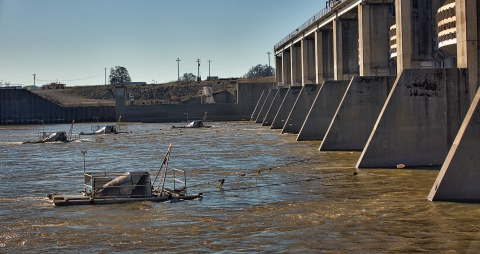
pixel 401 166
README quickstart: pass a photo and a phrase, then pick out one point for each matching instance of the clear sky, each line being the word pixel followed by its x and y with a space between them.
pixel 74 41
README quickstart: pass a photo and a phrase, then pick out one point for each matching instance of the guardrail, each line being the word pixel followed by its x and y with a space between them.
pixel 329 6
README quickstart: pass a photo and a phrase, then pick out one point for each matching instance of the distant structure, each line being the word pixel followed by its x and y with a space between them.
pixel 54 86
pixel 135 83
pixel 206 95
pixel 31 88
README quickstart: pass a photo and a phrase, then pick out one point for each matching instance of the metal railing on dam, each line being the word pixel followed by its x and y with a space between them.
pixel 329 6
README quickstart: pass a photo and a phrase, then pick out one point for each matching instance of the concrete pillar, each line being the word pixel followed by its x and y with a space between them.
pixel 259 105
pixel 374 23
pixel 272 111
pixel 467 40
pixel 323 55
pixel 279 70
pixel 358 111
pixel 296 64
pixel 300 110
pixel 416 24
pixel 286 68
pixel 308 61
pixel 419 121
pixel 459 177
pixel 345 41
pixel 324 107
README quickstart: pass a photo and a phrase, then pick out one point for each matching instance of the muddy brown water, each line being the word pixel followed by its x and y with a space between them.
pixel 279 196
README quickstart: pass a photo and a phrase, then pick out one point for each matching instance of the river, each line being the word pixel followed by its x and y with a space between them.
pixel 279 196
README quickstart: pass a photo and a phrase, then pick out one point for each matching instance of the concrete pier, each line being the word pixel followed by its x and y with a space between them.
pixel 296 64
pixel 266 105
pixel 358 111
pixel 419 121
pixel 259 105
pixel 299 112
pixel 272 111
pixel 321 113
pixel 345 40
pixel 286 107
pixel 324 55
pixel 458 179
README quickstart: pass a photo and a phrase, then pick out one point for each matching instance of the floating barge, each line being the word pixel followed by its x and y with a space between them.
pixel 105 129
pixel 195 123
pixel 59 136
pixel 114 188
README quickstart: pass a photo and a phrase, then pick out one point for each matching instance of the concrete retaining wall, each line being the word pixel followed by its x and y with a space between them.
pixel 321 113
pixel 300 110
pixel 419 120
pixel 358 111
pixel 177 113
pixel 248 95
pixel 20 106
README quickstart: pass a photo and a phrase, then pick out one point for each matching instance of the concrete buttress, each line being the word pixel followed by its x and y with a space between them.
pixel 323 108
pixel 272 111
pixel 286 107
pixel 355 117
pixel 300 110
pixel 419 121
pixel 459 178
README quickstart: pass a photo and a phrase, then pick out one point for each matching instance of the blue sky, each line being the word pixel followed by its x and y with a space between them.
pixel 73 41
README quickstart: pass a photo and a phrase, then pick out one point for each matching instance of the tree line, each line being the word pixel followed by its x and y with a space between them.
pixel 119 74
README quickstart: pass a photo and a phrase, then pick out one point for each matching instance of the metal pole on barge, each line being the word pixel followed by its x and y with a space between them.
pixel 84 185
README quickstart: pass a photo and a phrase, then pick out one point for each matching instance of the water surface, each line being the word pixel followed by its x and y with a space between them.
pixel 279 196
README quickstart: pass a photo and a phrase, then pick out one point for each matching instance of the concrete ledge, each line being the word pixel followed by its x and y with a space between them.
pixel 459 178
pixel 286 107
pixel 259 105
pixel 272 111
pixel 355 117
pixel 300 110
pixel 419 120
pixel 322 110
pixel 266 105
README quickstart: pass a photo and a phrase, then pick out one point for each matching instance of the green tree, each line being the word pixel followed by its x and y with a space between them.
pixel 189 77
pixel 260 71
pixel 119 75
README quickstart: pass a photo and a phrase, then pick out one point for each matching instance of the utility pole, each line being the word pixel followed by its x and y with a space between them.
pixel 178 67
pixel 34 79
pixel 209 68
pixel 105 76
pixel 268 53
pixel 198 73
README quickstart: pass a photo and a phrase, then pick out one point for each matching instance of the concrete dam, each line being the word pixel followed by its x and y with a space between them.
pixel 395 79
